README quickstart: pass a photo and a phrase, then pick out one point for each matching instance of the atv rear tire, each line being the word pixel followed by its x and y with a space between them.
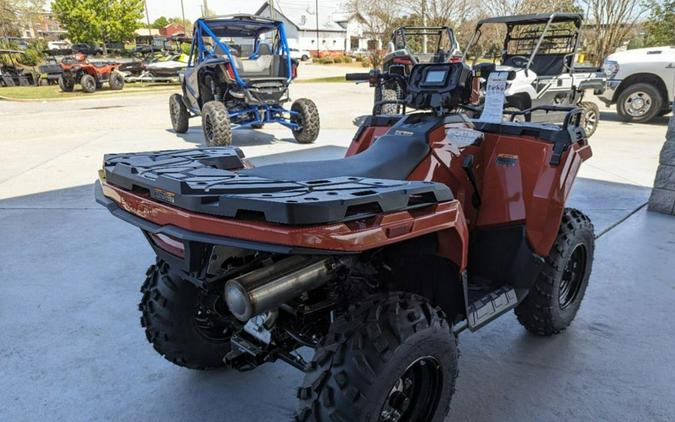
pixel 88 83
pixel 179 115
pixel 66 84
pixel 216 124
pixel 116 81
pixel 308 118
pixel 173 321
pixel 590 117
pixel 555 298
pixel 392 353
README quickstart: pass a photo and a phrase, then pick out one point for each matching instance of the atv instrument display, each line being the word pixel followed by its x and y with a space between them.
pixel 237 76
pixel 539 52
pixel 432 224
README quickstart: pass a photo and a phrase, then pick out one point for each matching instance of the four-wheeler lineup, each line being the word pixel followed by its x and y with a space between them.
pixel 431 225
pixel 539 53
pixel 237 76
pixel 90 75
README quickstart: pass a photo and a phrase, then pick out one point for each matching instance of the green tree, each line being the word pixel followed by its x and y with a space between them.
pixel 99 20
pixel 160 22
pixel 660 25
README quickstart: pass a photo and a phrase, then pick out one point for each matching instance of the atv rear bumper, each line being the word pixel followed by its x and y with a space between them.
pixel 201 230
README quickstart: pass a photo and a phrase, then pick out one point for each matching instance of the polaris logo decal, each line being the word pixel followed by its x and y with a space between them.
pixel 404 133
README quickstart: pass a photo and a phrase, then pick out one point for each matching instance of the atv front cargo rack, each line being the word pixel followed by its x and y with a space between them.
pixel 204 180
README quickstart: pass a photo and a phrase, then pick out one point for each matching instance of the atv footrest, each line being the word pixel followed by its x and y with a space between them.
pixel 490 306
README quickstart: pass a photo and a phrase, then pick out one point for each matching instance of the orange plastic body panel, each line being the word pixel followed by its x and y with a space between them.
pixel 356 236
pixel 365 139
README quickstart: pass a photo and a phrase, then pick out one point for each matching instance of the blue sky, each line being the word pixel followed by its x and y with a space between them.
pixel 171 8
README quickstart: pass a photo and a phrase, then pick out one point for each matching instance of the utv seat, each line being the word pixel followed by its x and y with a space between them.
pixel 390 157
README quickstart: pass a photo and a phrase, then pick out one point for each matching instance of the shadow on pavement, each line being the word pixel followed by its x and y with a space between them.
pixel 611 116
pixel 69 291
pixel 240 137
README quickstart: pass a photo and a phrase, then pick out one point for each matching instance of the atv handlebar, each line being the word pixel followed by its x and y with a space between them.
pixel 361 76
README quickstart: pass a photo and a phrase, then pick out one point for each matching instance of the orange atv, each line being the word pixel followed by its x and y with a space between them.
pixel 90 75
pixel 431 225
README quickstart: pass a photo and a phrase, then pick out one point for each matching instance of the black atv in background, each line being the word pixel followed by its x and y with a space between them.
pixel 411 45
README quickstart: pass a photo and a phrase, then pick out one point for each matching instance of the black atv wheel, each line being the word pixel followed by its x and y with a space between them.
pixel 639 103
pixel 88 83
pixel 307 118
pixel 391 357
pixel 590 117
pixel 116 81
pixel 179 323
pixel 66 83
pixel 179 114
pixel 555 298
pixel 216 124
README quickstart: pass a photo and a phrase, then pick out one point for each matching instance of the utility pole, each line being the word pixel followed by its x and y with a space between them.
pixel 147 16
pixel 270 4
pixel 182 12
pixel 206 8
pixel 318 47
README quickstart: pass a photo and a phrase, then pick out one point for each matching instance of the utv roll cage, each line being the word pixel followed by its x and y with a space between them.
pixel 237 25
pixel 561 43
pixel 399 36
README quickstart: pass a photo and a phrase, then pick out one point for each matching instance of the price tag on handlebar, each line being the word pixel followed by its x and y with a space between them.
pixel 493 110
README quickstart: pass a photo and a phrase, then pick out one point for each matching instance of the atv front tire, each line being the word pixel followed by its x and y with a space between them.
pixel 88 83
pixel 308 118
pixel 555 298
pixel 391 357
pixel 590 117
pixel 179 115
pixel 174 321
pixel 66 84
pixel 385 94
pixel 216 124
pixel 116 81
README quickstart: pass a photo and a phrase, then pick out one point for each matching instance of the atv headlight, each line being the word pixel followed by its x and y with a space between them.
pixel 611 68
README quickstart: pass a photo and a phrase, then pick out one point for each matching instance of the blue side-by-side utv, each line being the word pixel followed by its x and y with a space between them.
pixel 238 74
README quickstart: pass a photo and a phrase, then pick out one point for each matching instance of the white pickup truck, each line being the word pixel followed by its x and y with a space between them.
pixel 640 82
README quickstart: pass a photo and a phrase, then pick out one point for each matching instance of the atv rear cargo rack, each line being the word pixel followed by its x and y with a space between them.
pixel 204 180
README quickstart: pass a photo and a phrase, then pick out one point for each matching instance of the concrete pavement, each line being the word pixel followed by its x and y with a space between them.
pixel 72 348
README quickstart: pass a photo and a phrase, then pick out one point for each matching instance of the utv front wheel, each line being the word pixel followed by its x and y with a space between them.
pixel 555 298
pixel 307 117
pixel 216 124
pixel 88 83
pixel 180 322
pixel 179 114
pixel 391 357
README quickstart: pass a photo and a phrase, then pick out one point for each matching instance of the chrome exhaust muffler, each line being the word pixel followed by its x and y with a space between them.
pixel 268 287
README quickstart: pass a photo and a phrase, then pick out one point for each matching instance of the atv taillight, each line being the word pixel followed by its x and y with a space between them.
pixel 169 244
pixel 455 59
pixel 294 71
pixel 230 70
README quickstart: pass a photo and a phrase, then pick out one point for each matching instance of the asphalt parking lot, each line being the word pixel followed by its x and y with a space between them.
pixel 72 349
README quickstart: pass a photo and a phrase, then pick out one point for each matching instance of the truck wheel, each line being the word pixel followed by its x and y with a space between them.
pixel 391 357
pixel 216 124
pixel 590 117
pixel 88 83
pixel 66 84
pixel 555 298
pixel 308 118
pixel 179 114
pixel 116 81
pixel 177 321
pixel 639 103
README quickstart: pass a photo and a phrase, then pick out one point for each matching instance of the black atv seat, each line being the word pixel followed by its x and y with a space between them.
pixel 390 157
